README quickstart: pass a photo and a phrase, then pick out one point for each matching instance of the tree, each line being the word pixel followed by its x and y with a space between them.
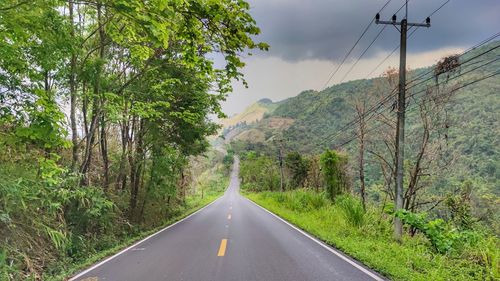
pixel 333 167
pixel 360 106
pixel 297 167
pixel 428 155
pixel 314 177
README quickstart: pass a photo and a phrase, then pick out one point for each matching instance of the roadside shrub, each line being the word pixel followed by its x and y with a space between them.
pixel 47 218
pixel 490 256
pixel 442 235
pixel 352 210
pixel 280 197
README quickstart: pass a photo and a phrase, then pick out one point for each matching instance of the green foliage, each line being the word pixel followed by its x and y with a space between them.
pixel 259 173
pixel 49 213
pixel 297 168
pixel 460 207
pixel 442 235
pixel 298 200
pixel 45 124
pixel 352 209
pixel 228 160
pixel 334 173
pixel 50 172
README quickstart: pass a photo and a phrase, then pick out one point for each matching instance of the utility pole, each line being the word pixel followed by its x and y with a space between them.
pixel 280 157
pixel 401 107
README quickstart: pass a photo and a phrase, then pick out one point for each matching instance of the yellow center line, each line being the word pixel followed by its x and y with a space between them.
pixel 222 248
pixel 229 216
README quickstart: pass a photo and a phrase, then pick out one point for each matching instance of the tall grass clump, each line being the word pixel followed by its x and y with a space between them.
pixel 301 200
pixel 352 210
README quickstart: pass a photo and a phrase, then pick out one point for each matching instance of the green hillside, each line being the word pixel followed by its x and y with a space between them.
pixel 252 114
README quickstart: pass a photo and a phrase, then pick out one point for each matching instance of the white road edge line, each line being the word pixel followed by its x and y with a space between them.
pixel 322 244
pixel 137 243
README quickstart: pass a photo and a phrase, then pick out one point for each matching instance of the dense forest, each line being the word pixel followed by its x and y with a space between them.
pixel 104 108
pixel 338 145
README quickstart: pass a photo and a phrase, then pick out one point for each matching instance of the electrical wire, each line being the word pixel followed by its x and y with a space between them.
pixel 392 94
pixel 409 36
pixel 414 94
pixel 352 48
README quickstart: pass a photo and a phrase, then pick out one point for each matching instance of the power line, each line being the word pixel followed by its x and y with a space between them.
pixel 381 103
pixel 354 46
pixel 461 74
pixel 455 89
pixel 408 110
pixel 369 46
pixel 409 36
pixel 364 52
pixel 461 63
pixel 439 8
pixel 384 60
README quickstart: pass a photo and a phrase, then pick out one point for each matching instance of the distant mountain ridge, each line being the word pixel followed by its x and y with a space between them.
pixel 251 114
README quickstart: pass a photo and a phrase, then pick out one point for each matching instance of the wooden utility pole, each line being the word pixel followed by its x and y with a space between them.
pixel 401 107
pixel 361 111
pixel 280 157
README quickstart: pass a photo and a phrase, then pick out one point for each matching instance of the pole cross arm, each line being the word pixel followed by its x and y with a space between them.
pixel 420 24
pixel 393 22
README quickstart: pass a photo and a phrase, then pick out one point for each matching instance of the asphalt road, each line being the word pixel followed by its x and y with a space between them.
pixel 230 240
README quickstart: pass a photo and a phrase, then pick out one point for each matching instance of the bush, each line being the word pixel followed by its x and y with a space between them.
pixel 352 210
pixel 441 234
pixel 298 200
pixel 47 219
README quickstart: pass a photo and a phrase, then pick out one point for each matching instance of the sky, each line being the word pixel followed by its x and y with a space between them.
pixel 309 39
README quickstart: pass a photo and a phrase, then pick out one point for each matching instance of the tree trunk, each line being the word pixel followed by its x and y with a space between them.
pixel 121 180
pixel 104 152
pixel 99 92
pixel 89 144
pixel 136 170
pixel 362 172
pixel 72 92
pixel 97 105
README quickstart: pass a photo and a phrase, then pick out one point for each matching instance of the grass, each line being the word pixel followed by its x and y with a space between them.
pixel 369 239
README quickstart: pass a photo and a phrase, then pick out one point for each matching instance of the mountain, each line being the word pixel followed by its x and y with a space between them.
pixel 252 114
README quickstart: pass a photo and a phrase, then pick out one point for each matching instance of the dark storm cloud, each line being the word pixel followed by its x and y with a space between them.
pixel 326 29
